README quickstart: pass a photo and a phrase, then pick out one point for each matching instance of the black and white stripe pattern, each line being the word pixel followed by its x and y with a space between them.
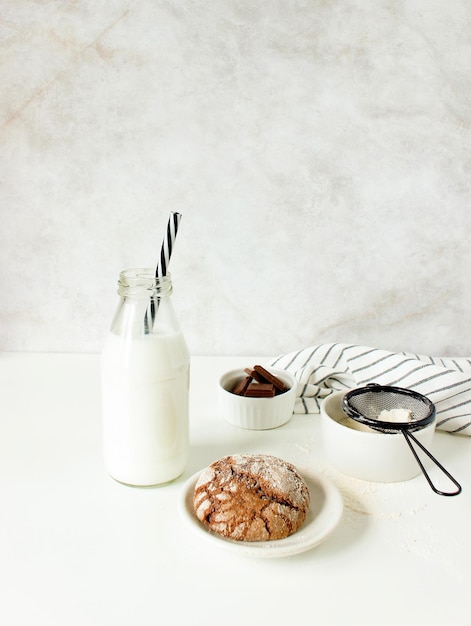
pixel 167 244
pixel 326 368
pixel 162 267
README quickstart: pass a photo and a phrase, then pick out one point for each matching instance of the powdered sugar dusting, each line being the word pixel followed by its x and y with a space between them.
pixel 280 475
pixel 251 497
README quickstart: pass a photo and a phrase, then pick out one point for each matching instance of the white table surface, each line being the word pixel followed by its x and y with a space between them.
pixel 77 548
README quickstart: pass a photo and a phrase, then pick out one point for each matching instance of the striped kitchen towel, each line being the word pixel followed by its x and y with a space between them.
pixel 326 368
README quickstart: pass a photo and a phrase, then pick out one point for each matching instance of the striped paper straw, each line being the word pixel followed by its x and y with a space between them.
pixel 167 244
pixel 165 254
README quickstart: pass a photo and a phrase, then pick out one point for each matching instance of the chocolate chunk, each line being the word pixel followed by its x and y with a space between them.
pixel 255 375
pixel 241 387
pixel 269 377
pixel 260 390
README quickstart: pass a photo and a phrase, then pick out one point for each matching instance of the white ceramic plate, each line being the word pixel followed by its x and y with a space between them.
pixel 324 515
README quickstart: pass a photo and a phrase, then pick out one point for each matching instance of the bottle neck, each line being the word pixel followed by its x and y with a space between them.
pixel 143 284
pixel 145 306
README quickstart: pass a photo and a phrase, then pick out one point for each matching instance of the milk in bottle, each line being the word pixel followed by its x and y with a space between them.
pixel 145 384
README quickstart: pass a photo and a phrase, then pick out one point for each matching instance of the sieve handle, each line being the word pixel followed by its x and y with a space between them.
pixel 408 436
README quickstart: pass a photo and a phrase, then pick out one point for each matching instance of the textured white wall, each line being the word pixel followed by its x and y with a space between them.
pixel 319 151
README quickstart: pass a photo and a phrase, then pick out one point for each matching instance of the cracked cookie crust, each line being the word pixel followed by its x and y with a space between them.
pixel 251 497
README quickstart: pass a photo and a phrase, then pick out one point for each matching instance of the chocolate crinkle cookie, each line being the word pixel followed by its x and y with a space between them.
pixel 251 497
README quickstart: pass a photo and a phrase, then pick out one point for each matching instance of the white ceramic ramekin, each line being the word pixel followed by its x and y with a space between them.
pixel 368 455
pixel 256 413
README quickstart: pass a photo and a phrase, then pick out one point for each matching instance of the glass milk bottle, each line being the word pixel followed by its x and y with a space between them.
pixel 145 384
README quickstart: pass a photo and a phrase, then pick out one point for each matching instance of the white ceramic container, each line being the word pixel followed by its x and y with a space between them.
pixel 256 413
pixel 366 454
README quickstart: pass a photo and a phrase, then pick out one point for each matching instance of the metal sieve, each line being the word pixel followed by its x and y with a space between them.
pixel 366 404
